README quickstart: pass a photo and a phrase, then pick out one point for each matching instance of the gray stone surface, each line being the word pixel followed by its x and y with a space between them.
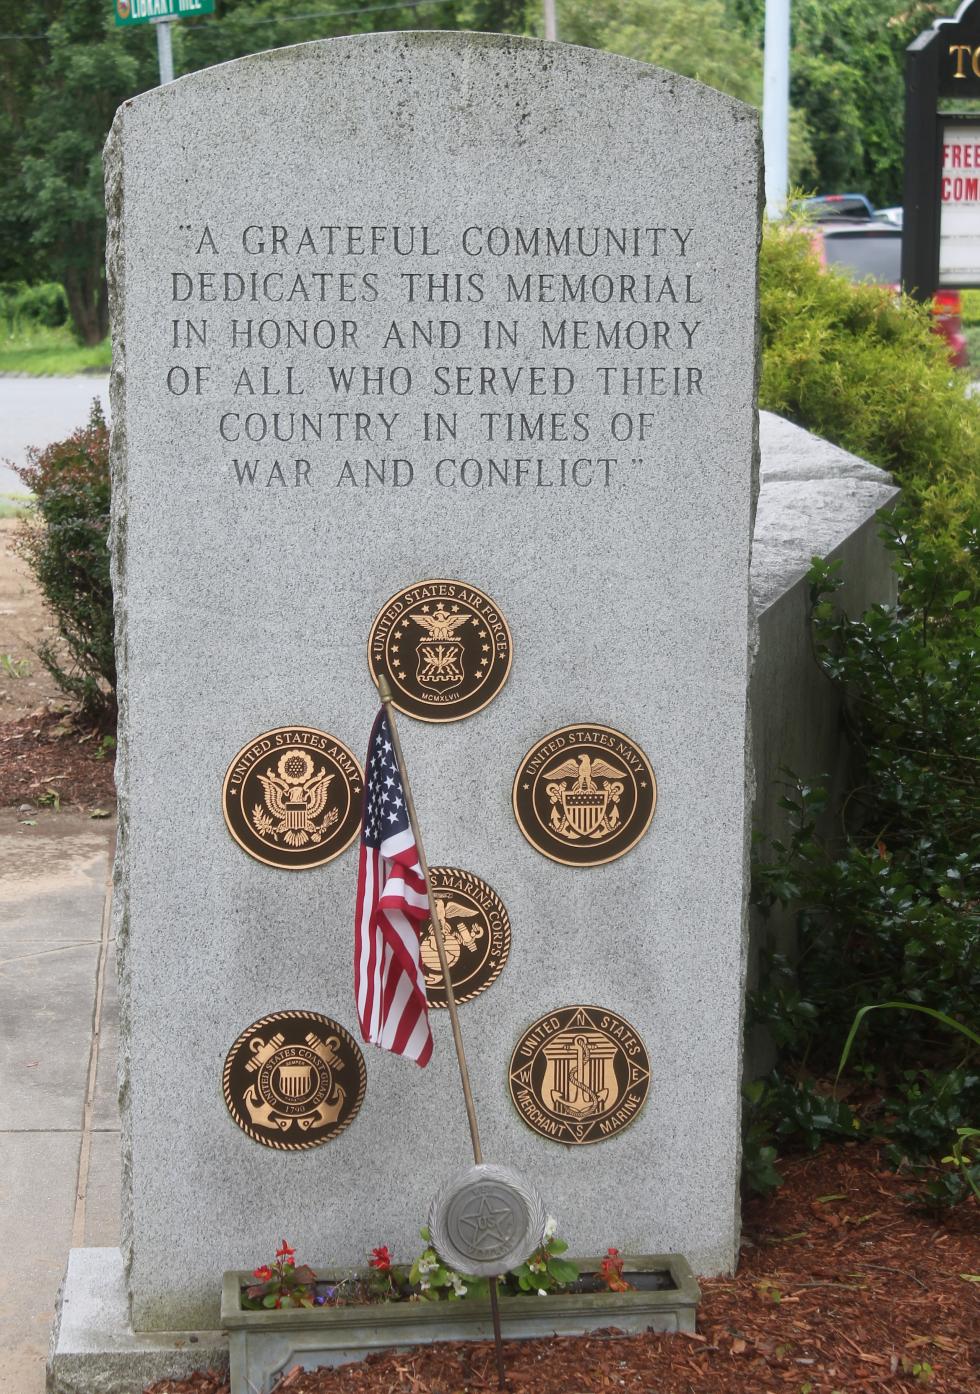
pixel 95 1350
pixel 813 497
pixel 814 500
pixel 243 607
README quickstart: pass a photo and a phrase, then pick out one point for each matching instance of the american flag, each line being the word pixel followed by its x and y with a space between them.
pixel 389 984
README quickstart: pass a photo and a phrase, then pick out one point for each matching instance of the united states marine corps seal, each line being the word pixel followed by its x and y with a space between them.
pixel 294 1080
pixel 292 797
pixel 584 795
pixel 579 1074
pixel 475 930
pixel 444 647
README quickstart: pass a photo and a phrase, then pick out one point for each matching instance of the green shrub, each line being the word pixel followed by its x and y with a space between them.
pixel 892 912
pixel 862 368
pixel 64 541
pixel 888 905
pixel 21 304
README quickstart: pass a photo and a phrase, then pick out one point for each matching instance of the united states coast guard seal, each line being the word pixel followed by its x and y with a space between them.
pixel 444 647
pixel 292 797
pixel 294 1080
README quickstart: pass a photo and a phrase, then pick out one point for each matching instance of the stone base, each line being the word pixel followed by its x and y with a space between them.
pixel 94 1348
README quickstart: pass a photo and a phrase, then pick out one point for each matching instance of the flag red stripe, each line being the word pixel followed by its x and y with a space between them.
pixel 391 907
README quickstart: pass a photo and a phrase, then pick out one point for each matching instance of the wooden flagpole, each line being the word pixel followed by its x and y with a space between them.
pixel 384 691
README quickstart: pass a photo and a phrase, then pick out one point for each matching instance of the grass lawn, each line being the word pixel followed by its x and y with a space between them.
pixel 44 352
pixel 13 505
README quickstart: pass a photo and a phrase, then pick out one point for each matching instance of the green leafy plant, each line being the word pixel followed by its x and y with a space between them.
pixel 14 667
pixel 545 1271
pixel 436 1281
pixel 105 747
pixel 931 1108
pixel 64 541
pixel 759 1173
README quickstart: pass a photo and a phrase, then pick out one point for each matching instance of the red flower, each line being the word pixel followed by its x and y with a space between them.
pixel 381 1259
pixel 611 1272
pixel 263 1274
pixel 286 1254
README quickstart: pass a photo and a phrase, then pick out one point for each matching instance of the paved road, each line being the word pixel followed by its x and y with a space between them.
pixel 59 1123
pixel 37 411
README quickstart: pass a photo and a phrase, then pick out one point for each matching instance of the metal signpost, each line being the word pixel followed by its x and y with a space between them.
pixel 161 13
pixel 941 232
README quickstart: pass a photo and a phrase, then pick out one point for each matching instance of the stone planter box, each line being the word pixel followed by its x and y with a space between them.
pixel 264 1345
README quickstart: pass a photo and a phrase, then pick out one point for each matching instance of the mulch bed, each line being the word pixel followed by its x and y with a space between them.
pixel 841 1286
pixel 46 760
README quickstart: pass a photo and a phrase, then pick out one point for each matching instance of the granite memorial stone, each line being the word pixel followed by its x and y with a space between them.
pixel 407 306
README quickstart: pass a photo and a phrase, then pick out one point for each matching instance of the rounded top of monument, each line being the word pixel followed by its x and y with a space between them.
pixel 391 54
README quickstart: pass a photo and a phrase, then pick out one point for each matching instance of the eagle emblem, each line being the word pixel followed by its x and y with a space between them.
pixel 584 794
pixel 440 651
pixel 295 798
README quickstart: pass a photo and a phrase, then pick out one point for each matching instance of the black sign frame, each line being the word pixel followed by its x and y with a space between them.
pixel 943 62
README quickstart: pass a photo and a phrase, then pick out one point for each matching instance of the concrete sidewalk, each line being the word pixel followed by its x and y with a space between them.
pixel 59 1125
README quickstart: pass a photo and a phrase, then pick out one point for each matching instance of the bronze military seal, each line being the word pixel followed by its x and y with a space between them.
pixel 579 1074
pixel 584 795
pixel 292 797
pixel 294 1080
pixel 476 932
pixel 444 647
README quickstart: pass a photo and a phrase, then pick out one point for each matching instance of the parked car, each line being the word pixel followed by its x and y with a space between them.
pixel 823 206
pixel 872 251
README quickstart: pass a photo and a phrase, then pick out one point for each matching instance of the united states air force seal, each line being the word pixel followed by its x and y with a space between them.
pixel 294 1080
pixel 579 1074
pixel 292 797
pixel 475 930
pixel 444 647
pixel 584 795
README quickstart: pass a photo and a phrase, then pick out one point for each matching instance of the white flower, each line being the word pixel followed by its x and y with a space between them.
pixel 459 1287
pixel 424 1287
pixel 427 1265
pixel 550 1226
pixel 542 1293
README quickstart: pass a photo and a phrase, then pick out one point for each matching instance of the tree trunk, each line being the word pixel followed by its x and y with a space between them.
pixel 88 303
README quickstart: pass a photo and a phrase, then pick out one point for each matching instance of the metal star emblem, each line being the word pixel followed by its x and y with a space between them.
pixel 487 1219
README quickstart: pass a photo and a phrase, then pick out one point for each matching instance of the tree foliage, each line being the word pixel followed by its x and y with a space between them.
pixel 65 68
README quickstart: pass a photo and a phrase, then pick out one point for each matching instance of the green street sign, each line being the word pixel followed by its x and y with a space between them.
pixel 144 11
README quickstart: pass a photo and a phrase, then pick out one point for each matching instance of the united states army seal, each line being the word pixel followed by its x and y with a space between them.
pixel 292 797
pixel 584 795
pixel 475 930
pixel 294 1080
pixel 579 1074
pixel 444 647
